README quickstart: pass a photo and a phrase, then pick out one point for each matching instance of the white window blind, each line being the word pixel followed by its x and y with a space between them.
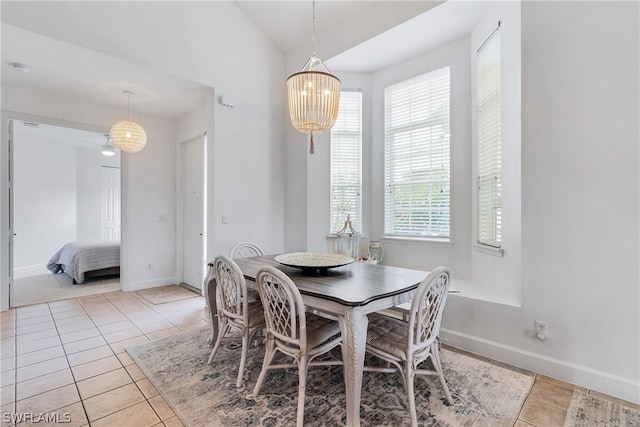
pixel 417 146
pixel 489 203
pixel 346 163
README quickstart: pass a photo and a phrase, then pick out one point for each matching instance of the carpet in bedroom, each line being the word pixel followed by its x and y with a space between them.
pixel 54 287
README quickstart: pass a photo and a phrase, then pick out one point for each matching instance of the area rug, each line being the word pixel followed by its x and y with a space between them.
pixel 485 394
pixel 166 294
pixel 589 410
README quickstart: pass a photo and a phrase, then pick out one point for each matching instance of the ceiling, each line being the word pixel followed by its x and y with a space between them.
pixel 289 23
pixel 78 73
pixel 59 135
pixel 63 68
pixel 445 23
pixel 436 24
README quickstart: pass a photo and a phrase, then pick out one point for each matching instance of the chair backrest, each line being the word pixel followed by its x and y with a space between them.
pixel 231 290
pixel 427 308
pixel 284 309
pixel 246 249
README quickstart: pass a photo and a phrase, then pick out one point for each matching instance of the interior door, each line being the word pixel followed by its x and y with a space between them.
pixel 193 197
pixel 11 234
pixel 110 203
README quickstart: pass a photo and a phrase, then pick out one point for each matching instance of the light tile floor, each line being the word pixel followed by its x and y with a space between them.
pixel 68 359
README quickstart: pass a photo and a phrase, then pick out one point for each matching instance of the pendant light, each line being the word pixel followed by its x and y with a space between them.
pixel 128 136
pixel 314 95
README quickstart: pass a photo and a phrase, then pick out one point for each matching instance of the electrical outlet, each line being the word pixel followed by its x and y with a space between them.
pixel 542 330
pixel 149 266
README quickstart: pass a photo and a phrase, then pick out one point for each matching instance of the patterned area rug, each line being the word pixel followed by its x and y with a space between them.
pixel 589 410
pixel 485 393
pixel 166 294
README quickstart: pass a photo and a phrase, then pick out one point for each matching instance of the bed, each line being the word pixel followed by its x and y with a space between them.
pixel 80 260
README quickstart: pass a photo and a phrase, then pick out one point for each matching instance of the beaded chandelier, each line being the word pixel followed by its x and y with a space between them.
pixel 314 95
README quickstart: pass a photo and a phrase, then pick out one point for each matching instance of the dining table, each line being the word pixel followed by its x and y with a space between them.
pixel 348 292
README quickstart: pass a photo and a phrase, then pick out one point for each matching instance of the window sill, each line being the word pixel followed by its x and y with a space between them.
pixel 499 252
pixel 417 240
pixel 467 289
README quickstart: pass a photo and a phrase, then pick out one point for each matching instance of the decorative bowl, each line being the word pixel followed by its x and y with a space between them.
pixel 311 261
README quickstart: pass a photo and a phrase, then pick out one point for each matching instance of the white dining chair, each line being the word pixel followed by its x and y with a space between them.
pixel 235 310
pixel 407 344
pixel 246 249
pixel 293 332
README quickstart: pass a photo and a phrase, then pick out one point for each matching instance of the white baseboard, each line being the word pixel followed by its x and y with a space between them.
pixel 30 271
pixel 604 382
pixel 146 284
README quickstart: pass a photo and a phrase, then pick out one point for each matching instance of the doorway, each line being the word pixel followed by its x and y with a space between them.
pixel 63 190
pixel 193 201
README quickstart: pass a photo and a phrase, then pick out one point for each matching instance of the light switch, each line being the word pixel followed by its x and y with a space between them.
pixel 225 219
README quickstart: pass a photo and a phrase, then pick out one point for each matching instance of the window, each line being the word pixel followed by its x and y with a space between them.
pixel 489 202
pixel 346 162
pixel 417 170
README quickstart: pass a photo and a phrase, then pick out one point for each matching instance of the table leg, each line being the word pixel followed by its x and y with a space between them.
pixel 353 326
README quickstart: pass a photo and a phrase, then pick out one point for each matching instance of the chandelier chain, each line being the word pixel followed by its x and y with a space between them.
pixel 313 38
pixel 129 93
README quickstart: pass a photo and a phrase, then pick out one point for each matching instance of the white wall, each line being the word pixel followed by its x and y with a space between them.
pixel 580 204
pixel 90 162
pixel 148 181
pixel 572 211
pixel 225 50
pixel 44 199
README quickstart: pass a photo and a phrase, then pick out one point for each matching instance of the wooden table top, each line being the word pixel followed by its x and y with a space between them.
pixel 351 285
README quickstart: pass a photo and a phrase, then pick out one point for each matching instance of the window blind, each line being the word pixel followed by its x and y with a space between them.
pixel 489 201
pixel 417 151
pixel 346 163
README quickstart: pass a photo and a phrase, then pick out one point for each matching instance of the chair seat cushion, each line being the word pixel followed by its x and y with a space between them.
pixel 387 334
pixel 256 314
pixel 320 329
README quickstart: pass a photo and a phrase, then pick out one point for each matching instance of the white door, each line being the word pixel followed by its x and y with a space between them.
pixel 110 203
pixel 193 208
pixel 11 235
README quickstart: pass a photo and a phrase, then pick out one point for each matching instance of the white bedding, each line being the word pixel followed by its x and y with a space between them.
pixel 77 258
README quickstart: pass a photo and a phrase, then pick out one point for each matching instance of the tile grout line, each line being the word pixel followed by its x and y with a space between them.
pixel 146 399
pixel 89 421
pixel 44 349
pixel 524 402
pixel 75 382
pixel 15 362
